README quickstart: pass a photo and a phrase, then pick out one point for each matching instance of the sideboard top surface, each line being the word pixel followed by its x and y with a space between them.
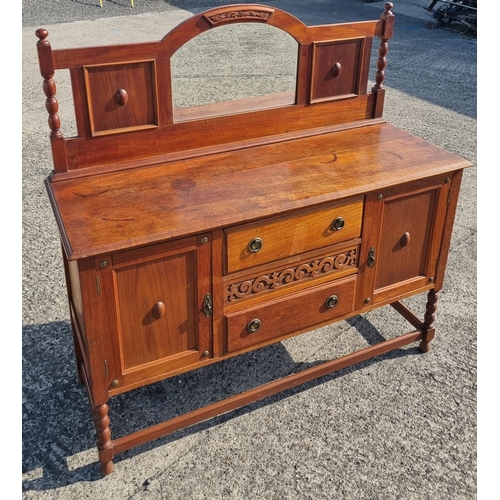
pixel 120 210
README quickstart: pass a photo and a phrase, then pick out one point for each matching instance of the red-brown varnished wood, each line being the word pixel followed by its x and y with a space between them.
pixel 282 277
pixel 197 234
pixel 217 131
pixel 171 279
pixel 228 188
pixel 283 237
pixel 278 317
pixel 337 69
pixel 134 72
pixel 452 201
pixel 121 97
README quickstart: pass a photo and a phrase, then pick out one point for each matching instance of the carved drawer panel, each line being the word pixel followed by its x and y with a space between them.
pixel 256 244
pixel 262 282
pixel 302 310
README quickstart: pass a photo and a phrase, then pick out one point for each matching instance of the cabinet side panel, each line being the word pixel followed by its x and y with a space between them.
pixel 76 291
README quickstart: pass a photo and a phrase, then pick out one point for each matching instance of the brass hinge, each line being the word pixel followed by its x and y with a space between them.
pixel 98 285
pixel 449 196
pixel 106 368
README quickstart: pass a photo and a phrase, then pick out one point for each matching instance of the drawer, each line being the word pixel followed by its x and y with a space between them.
pixel 277 318
pixel 279 238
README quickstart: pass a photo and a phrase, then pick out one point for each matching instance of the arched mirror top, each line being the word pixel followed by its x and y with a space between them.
pixel 242 13
pixel 234 69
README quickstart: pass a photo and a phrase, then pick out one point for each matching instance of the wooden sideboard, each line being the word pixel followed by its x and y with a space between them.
pixel 194 234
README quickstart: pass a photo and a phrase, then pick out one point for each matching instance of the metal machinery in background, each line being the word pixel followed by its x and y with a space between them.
pixel 459 13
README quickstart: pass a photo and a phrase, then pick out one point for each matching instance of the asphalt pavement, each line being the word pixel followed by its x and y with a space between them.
pixel 401 426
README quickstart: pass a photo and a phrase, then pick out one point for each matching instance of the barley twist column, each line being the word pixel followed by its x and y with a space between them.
pixel 104 445
pixel 383 48
pixel 429 318
pixel 49 86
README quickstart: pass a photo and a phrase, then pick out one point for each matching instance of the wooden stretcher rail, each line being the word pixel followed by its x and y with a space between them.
pixel 195 417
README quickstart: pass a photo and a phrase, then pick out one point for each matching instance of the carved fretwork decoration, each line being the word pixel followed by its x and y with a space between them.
pixel 271 281
pixel 240 15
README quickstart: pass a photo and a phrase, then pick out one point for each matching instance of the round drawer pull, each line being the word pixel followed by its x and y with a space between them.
pixel 331 301
pixel 336 69
pixel 121 97
pixel 338 224
pixel 405 239
pixel 159 310
pixel 255 245
pixel 253 326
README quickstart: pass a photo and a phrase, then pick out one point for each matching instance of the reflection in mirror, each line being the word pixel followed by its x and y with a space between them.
pixel 224 71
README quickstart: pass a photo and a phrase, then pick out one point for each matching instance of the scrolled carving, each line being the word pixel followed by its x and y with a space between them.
pixel 283 277
pixel 261 15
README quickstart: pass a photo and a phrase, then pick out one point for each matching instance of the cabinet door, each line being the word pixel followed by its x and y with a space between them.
pixel 162 322
pixel 401 241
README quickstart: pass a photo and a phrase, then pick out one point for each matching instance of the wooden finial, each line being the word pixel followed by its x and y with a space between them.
pixel 388 6
pixel 42 34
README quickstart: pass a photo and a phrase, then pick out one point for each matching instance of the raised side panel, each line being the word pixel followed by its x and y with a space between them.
pixel 402 234
pixel 336 69
pixel 121 97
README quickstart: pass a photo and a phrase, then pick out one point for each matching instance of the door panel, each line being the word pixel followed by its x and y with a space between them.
pixel 159 293
pixel 401 240
pixel 156 309
pixel 405 237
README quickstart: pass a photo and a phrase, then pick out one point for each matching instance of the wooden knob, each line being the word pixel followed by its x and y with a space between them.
pixel 336 69
pixel 121 97
pixel 159 310
pixel 405 239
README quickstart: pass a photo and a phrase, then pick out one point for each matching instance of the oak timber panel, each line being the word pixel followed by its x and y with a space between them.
pixel 405 238
pixel 404 226
pixel 291 313
pixel 292 235
pixel 136 207
pixel 121 97
pixel 115 149
pixel 159 294
pixel 336 70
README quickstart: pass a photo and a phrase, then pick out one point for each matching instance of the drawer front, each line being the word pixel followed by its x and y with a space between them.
pixel 256 244
pixel 278 318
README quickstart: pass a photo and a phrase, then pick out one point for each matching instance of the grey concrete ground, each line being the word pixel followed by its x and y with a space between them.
pixel 402 426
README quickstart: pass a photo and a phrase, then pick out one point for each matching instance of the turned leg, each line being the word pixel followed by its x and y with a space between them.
pixel 429 317
pixel 104 445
